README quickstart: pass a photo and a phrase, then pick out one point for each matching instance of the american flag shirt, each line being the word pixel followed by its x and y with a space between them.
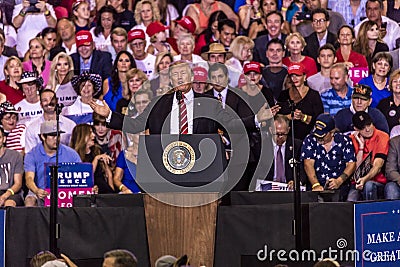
pixel 328 164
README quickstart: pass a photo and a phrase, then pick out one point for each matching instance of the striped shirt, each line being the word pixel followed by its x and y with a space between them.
pixel 333 102
pixel 16 138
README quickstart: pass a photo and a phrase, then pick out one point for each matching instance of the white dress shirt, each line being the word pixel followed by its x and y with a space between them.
pixel 189 101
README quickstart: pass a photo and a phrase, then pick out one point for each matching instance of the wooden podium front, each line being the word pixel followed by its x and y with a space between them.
pixel 183 228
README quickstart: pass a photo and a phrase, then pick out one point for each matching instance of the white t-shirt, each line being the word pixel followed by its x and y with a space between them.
pixel 66 94
pixel 28 111
pixel 10 34
pixel 102 43
pixel 80 112
pixel 146 65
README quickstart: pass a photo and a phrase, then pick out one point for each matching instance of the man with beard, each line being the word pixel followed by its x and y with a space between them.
pixel 48 103
pixel 44 152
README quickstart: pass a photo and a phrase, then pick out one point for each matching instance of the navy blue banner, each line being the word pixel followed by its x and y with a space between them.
pixel 72 175
pixel 377 234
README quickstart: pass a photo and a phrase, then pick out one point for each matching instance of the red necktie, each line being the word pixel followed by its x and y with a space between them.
pixel 183 123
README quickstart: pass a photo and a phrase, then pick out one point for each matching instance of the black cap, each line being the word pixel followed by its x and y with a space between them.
pixel 361 119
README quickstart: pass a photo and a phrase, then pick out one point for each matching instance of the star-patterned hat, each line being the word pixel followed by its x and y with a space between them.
pixel 7 107
pixel 87 76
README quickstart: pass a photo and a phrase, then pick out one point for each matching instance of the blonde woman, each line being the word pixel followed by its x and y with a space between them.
pixel 146 12
pixel 242 51
pixel 9 86
pixel 61 73
pixel 160 83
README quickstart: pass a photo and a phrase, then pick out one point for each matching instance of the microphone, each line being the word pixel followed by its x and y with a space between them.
pixel 178 95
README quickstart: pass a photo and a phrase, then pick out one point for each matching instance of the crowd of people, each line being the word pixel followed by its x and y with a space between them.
pixel 103 61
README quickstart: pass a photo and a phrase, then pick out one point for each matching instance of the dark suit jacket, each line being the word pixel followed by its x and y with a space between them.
pixel 288 156
pixel 312 46
pixel 156 117
pixel 101 63
pixel 260 48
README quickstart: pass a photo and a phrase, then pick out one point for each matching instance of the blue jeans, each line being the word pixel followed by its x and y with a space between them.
pixel 372 191
pixel 392 190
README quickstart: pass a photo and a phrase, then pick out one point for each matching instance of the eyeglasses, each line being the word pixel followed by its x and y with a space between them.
pixel 280 134
pixel 316 21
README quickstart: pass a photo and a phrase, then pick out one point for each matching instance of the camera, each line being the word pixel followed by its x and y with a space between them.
pixel 32 8
pixel 305 15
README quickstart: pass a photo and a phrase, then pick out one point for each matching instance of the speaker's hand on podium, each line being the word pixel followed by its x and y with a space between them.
pixel 103 110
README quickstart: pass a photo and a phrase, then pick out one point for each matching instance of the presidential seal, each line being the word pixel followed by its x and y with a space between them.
pixel 179 157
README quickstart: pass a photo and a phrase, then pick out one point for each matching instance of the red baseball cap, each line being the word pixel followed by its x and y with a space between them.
pixel 200 74
pixel 187 23
pixel 83 38
pixel 297 69
pixel 252 66
pixel 136 34
pixel 155 27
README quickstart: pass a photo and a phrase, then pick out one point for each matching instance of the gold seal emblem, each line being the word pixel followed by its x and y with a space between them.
pixel 179 157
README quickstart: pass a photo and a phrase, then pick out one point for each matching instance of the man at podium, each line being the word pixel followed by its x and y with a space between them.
pixel 181 112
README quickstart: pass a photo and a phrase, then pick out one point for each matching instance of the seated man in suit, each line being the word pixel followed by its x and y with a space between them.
pixel 281 170
pixel 328 157
pixel 89 59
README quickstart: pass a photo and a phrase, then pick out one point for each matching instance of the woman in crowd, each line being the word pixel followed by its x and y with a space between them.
pixel 345 52
pixel 186 48
pixel 83 141
pixel 211 33
pixel 146 12
pixel 307 102
pixel 110 141
pixel 81 15
pixel 87 85
pixel 49 36
pixel 369 42
pixel 200 13
pixel 14 131
pixel 9 86
pixel 242 51
pixel 259 27
pixel 62 71
pixel 135 78
pixel 125 17
pixel 37 61
pixel 295 43
pixel 168 12
pixel 102 32
pixel 160 82
pixel 249 13
pixel 125 171
pixel 112 87
pixel 378 80
pixel 390 106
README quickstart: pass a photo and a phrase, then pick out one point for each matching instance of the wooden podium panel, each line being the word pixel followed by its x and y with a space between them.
pixel 179 230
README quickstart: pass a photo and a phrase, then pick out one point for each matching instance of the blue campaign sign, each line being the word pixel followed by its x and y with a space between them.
pixel 72 175
pixel 377 234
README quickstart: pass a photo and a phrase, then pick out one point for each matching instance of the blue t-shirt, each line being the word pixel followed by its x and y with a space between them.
pixel 36 158
pixel 377 95
pixel 328 164
pixel 129 169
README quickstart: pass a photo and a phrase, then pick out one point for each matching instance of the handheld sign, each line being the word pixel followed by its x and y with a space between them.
pixel 73 179
pixel 356 74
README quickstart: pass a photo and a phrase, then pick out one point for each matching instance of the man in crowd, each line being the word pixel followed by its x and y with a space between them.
pixel 227 32
pixel 11 166
pixel 360 101
pixel 346 8
pixel 34 161
pixel 119 41
pixel 371 147
pixel 321 35
pixel 66 31
pixel 275 74
pixel 89 59
pixel 328 157
pixel 389 29
pixel 183 26
pixel 392 188
pixel 339 96
pixel 321 81
pixel 48 103
pixel 274 27
pixel 144 61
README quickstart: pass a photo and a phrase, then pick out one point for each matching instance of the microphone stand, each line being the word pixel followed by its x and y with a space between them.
pixel 54 226
pixel 297 220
